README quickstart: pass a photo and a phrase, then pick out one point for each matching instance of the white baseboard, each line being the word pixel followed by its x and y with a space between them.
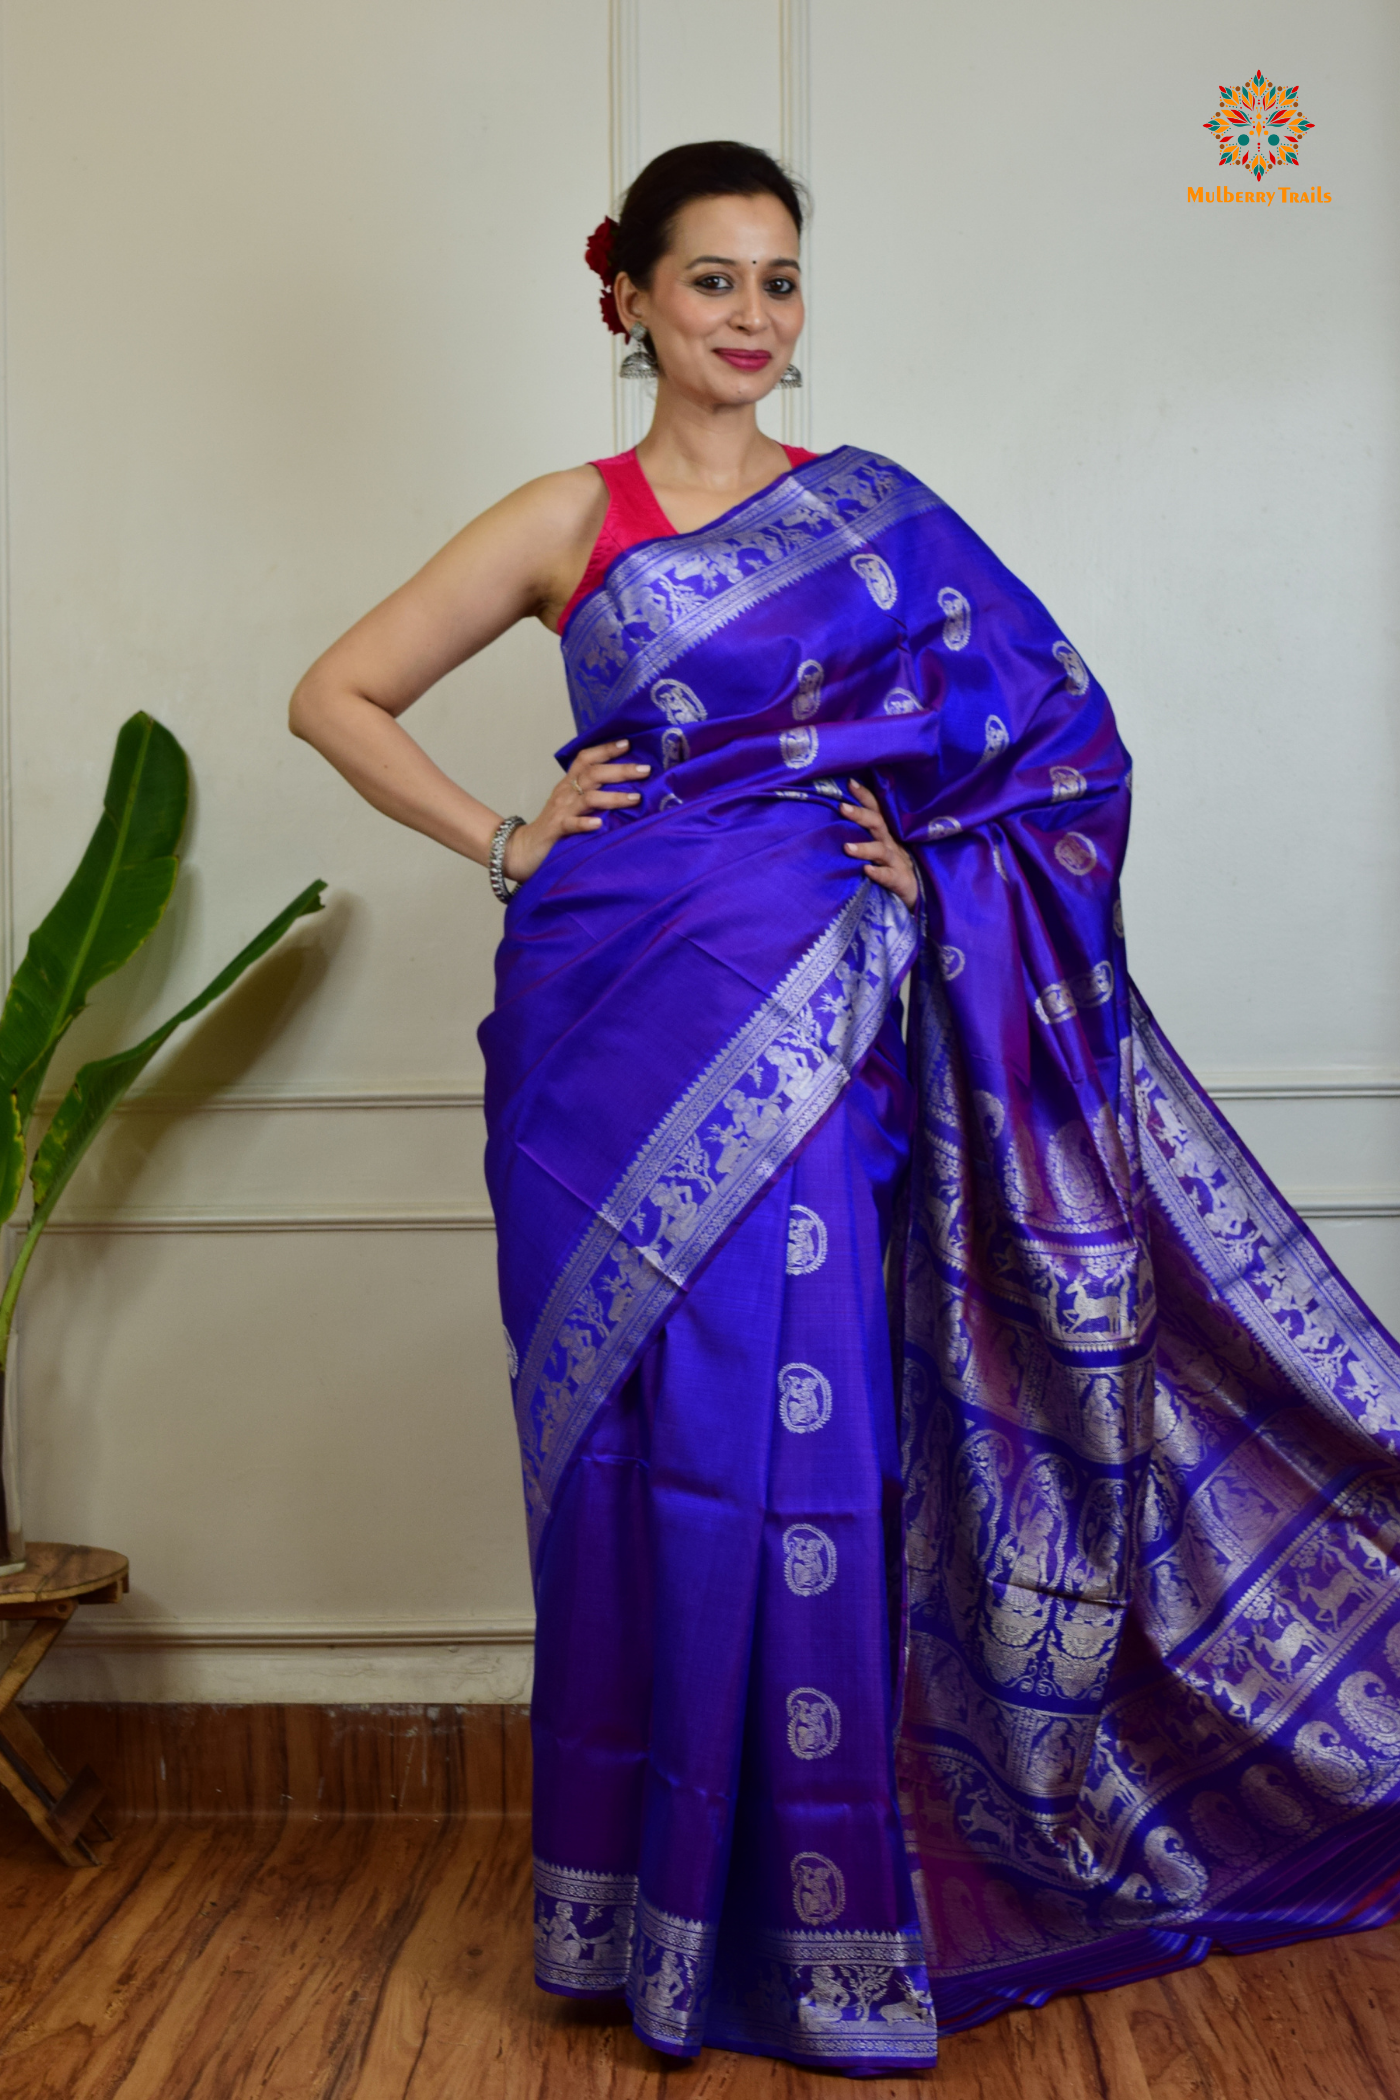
pixel 173 1662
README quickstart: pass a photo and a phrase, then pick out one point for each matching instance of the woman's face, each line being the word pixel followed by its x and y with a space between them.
pixel 724 306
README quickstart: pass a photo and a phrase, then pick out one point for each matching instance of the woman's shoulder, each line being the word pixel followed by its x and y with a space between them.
pixel 544 529
pixel 565 500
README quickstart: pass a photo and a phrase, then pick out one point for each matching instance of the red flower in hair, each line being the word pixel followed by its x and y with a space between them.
pixel 599 252
pixel 598 255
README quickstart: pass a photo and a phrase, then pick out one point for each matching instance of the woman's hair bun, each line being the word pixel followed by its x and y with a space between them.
pixel 712 168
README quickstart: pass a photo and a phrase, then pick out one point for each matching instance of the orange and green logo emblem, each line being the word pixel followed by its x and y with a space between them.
pixel 1258 126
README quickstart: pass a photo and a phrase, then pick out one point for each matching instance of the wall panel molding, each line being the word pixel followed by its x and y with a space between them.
pixel 1309 1203
pixel 632 399
pixel 236 1099
pixel 464 1665
pixel 795 148
pixel 152 1635
pixel 1320 1084
pixel 1345 1203
pixel 404 1219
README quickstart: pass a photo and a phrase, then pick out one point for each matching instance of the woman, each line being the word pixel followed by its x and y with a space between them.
pixel 868 1703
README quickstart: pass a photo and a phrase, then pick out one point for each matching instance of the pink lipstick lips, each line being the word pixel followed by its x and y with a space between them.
pixel 746 360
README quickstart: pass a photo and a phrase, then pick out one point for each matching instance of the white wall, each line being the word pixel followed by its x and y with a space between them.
pixel 1178 423
pixel 293 288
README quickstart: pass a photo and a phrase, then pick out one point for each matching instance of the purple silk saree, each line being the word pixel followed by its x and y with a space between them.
pixel 882 1688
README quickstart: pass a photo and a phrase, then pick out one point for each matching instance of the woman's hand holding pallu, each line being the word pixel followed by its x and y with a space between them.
pixel 886 861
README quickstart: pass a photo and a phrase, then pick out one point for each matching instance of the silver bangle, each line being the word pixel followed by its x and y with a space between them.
pixel 496 861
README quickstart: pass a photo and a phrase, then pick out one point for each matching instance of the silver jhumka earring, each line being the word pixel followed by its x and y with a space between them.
pixel 639 362
pixel 792 377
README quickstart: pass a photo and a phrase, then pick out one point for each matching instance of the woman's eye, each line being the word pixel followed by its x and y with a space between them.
pixel 713 284
pixel 781 287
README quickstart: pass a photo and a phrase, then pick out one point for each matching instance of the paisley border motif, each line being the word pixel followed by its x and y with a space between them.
pixel 661 599
pixel 729 1133
pixel 1285 1691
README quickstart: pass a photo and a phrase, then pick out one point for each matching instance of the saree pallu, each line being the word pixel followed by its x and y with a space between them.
pixel 882 1685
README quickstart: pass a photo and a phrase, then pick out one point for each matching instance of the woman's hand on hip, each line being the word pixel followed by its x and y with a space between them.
pixel 592 783
pixel 885 860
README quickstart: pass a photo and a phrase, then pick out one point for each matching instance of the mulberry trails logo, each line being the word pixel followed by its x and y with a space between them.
pixel 1258 127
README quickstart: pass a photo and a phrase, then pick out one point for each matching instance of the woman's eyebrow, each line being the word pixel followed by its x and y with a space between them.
pixel 786 262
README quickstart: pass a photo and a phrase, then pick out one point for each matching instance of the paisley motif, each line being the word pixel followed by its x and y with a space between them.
pixel 878 577
pixel 1331 1766
pixel 1076 677
pixel 1076 852
pixel 814 1723
pixel 807 1241
pixel 991 1113
pixel 957 623
pixel 808 697
pixel 677 702
pixel 809 1560
pixel 1274 1801
pixel 1222 1831
pixel 996 738
pixel 818 1888
pixel 804 1398
pixel 1371 1707
pixel 1072 995
pixel 799 747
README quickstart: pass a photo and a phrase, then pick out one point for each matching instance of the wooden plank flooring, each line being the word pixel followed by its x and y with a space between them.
pixel 331 1761
pixel 388 1959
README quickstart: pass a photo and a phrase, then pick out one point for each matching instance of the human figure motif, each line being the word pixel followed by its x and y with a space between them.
pixel 810 1555
pixel 560 1939
pixel 827 1997
pixel 806 1241
pixel 665 1988
pixel 812 1724
pixel 806 1397
pixel 818 1895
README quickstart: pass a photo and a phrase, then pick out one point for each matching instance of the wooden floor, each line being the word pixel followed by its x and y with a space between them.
pixel 388 1958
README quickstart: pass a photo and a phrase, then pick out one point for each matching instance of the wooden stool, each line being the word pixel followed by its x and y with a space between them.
pixel 48 1589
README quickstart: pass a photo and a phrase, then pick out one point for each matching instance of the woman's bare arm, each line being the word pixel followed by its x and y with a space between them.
pixel 522 557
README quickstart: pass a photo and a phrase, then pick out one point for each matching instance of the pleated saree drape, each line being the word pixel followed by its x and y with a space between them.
pixel 885 1683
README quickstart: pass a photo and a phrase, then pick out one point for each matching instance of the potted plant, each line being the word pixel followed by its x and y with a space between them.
pixel 113 904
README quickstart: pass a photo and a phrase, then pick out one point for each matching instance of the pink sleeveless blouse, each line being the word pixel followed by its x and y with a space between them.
pixel 633 515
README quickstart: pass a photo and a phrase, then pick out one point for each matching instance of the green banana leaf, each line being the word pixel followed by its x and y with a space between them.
pixel 113 903
pixel 11 1155
pixel 99 1086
